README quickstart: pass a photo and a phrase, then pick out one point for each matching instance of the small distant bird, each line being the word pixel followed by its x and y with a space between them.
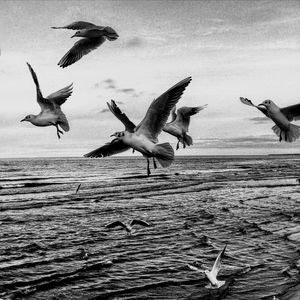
pixel 212 275
pixel 127 227
pixel 298 180
pixel 282 117
pixel 51 114
pixel 179 125
pixel 144 137
pixel 83 254
pixel 93 37
pixel 78 188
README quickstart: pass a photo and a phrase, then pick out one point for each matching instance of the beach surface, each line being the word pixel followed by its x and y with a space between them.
pixel 195 207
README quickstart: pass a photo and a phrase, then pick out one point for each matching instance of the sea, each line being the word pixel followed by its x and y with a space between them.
pixel 54 243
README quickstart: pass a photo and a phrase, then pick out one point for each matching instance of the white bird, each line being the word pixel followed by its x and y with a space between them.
pixel 179 125
pixel 51 114
pixel 143 137
pixel 93 37
pixel 212 275
pixel 127 227
pixel 281 117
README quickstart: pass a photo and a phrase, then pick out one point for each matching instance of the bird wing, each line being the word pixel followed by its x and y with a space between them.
pixel 77 26
pixel 292 112
pixel 115 224
pixel 114 147
pixel 195 269
pixel 139 222
pixel 184 113
pixel 217 265
pixel 159 110
pixel 249 102
pixel 173 114
pixel 44 103
pixel 61 96
pixel 129 126
pixel 80 48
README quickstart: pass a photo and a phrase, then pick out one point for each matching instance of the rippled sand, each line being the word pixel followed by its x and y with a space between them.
pixel 251 203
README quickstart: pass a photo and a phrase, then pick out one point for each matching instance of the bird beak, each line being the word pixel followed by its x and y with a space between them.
pixel 73 35
pixel 112 135
pixel 261 105
pixel 23 120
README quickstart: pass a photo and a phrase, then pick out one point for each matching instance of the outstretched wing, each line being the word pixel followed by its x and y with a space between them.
pixel 115 224
pixel 292 112
pixel 217 265
pixel 139 222
pixel 114 147
pixel 159 110
pixel 249 102
pixel 173 114
pixel 77 26
pixel 80 48
pixel 61 96
pixel 129 126
pixel 184 115
pixel 44 103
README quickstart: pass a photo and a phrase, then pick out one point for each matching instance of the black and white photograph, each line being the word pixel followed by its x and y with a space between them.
pixel 150 149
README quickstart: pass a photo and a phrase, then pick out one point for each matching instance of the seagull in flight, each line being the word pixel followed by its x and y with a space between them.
pixel 212 275
pixel 282 117
pixel 51 114
pixel 128 227
pixel 143 137
pixel 93 36
pixel 179 125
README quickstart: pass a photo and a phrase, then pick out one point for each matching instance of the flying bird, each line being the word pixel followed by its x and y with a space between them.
pixel 212 275
pixel 51 114
pixel 282 117
pixel 179 125
pixel 143 137
pixel 93 37
pixel 128 227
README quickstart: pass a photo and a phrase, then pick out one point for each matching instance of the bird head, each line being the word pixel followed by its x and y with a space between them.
pixel 269 105
pixel 118 134
pixel 28 118
pixel 79 33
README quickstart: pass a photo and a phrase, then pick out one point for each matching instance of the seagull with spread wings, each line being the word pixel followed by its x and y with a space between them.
pixel 51 113
pixel 93 36
pixel 213 273
pixel 143 137
pixel 281 117
pixel 128 227
pixel 179 125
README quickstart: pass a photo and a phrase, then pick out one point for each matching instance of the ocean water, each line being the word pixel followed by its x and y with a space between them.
pixel 194 208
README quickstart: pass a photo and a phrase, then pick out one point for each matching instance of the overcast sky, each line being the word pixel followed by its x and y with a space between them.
pixel 230 48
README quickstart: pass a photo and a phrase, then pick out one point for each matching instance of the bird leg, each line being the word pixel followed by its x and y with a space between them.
pixel 132 151
pixel 58 131
pixel 148 167
pixel 183 144
pixel 280 137
pixel 154 163
pixel 177 146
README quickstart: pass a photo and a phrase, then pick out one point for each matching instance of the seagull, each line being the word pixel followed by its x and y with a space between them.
pixel 281 117
pixel 78 188
pixel 212 275
pixel 93 37
pixel 179 125
pixel 127 227
pixel 116 145
pixel 51 114
pixel 143 137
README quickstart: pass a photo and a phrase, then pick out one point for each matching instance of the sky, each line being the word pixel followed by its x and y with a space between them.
pixel 230 48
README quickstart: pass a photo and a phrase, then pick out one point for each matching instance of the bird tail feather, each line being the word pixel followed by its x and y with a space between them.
pixel 220 283
pixel 63 122
pixel 164 153
pixel 289 135
pixel 187 139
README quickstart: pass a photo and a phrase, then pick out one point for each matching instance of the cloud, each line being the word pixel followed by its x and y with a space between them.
pixel 259 120
pixel 134 42
pixel 104 110
pixel 126 90
pixel 106 84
